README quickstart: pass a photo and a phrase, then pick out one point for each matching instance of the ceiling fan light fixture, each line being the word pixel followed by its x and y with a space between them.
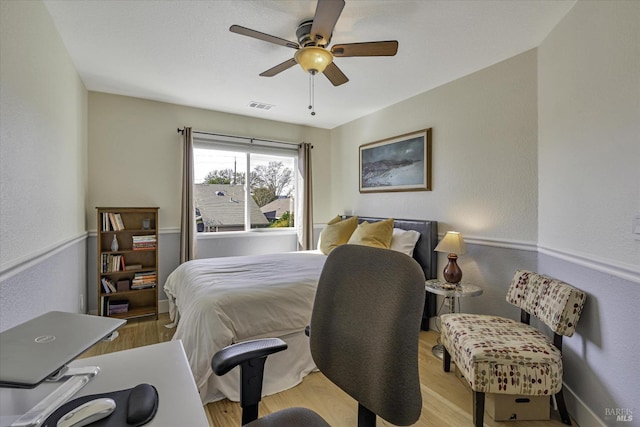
pixel 313 59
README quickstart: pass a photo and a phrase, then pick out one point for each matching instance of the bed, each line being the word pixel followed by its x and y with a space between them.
pixel 219 301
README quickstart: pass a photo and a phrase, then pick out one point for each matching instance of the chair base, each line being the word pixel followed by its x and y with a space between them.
pixel 290 417
pixel 438 350
pixel 366 418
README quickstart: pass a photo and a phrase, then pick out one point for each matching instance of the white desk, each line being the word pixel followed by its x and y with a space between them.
pixel 163 365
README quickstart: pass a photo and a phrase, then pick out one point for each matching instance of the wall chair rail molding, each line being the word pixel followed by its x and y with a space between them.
pixel 500 243
pixel 620 270
pixel 13 267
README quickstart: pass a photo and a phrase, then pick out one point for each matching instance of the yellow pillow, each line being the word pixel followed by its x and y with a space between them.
pixel 376 234
pixel 337 219
pixel 336 233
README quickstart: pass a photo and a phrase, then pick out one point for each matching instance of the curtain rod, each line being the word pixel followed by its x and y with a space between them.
pixel 181 132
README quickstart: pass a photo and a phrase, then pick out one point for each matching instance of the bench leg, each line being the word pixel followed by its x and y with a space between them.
pixel 446 359
pixel 562 408
pixel 478 408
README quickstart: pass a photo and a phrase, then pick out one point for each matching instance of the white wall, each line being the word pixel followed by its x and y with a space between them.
pixel 484 154
pixel 589 191
pixel 135 152
pixel 589 133
pixel 43 166
pixel 43 132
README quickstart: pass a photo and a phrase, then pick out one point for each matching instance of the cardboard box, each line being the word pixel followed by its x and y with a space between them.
pixel 508 407
pixel 118 307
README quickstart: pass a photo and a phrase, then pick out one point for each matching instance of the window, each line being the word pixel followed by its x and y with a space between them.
pixel 242 185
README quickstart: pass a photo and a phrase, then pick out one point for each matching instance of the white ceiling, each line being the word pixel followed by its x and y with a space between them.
pixel 181 51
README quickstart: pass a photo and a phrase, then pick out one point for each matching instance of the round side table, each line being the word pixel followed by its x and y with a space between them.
pixel 451 293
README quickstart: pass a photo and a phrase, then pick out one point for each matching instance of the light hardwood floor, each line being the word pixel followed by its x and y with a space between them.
pixel 446 400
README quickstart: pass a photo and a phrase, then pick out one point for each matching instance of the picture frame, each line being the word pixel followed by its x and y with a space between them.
pixel 401 163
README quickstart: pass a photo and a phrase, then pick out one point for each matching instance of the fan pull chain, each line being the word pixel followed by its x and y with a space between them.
pixel 312 92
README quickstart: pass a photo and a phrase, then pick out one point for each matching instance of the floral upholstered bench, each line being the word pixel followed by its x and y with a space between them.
pixel 499 355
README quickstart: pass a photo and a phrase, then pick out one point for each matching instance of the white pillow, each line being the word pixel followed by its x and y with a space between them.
pixel 404 240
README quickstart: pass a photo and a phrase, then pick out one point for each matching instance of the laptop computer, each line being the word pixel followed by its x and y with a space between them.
pixel 33 351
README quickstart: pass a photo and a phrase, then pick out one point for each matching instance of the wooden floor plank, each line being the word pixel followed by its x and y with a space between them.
pixel 446 401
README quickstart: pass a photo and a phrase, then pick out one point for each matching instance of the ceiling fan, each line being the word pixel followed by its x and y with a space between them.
pixel 314 36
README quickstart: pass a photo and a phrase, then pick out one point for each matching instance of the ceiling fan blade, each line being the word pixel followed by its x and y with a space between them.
pixel 386 48
pixel 279 68
pixel 327 14
pixel 262 36
pixel 335 75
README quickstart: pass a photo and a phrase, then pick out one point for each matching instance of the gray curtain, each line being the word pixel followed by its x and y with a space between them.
pixel 304 206
pixel 188 210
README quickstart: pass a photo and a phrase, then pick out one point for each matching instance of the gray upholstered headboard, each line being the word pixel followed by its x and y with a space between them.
pixel 423 253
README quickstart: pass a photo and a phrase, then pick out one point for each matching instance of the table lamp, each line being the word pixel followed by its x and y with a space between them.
pixel 454 245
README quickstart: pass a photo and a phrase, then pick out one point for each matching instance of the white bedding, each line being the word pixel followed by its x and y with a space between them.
pixel 220 301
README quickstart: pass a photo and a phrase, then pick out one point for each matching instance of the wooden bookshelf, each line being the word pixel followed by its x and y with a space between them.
pixel 127 274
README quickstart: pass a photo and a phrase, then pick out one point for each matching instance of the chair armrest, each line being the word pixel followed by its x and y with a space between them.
pixel 251 356
pixel 231 356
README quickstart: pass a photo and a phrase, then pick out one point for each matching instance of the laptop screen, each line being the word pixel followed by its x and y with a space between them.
pixel 32 351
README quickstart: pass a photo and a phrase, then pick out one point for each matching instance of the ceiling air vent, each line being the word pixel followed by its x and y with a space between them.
pixel 261 106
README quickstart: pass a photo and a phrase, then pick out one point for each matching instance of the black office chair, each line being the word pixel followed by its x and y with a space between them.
pixel 363 335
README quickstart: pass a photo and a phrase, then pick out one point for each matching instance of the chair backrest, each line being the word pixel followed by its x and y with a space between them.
pixel 365 329
pixel 556 303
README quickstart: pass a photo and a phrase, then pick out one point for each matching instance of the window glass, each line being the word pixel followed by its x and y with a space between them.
pixel 229 199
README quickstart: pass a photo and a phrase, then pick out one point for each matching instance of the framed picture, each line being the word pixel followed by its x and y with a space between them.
pixel 402 163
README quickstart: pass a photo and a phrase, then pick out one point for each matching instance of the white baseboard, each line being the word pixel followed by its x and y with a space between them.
pixel 163 306
pixel 580 412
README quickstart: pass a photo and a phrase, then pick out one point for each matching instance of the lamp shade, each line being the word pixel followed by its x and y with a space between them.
pixel 313 59
pixel 452 243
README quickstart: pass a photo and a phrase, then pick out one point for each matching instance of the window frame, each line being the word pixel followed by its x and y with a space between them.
pixel 250 146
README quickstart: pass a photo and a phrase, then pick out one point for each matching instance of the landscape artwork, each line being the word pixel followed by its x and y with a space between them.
pixel 402 163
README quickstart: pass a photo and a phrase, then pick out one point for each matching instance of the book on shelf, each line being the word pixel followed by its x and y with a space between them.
pixel 112 221
pixel 144 238
pixel 119 222
pixel 105 287
pixel 145 242
pixel 144 280
pixel 106 222
pixel 144 275
pixel 108 285
pixel 110 263
pixel 104 305
pixel 133 267
pixel 143 286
